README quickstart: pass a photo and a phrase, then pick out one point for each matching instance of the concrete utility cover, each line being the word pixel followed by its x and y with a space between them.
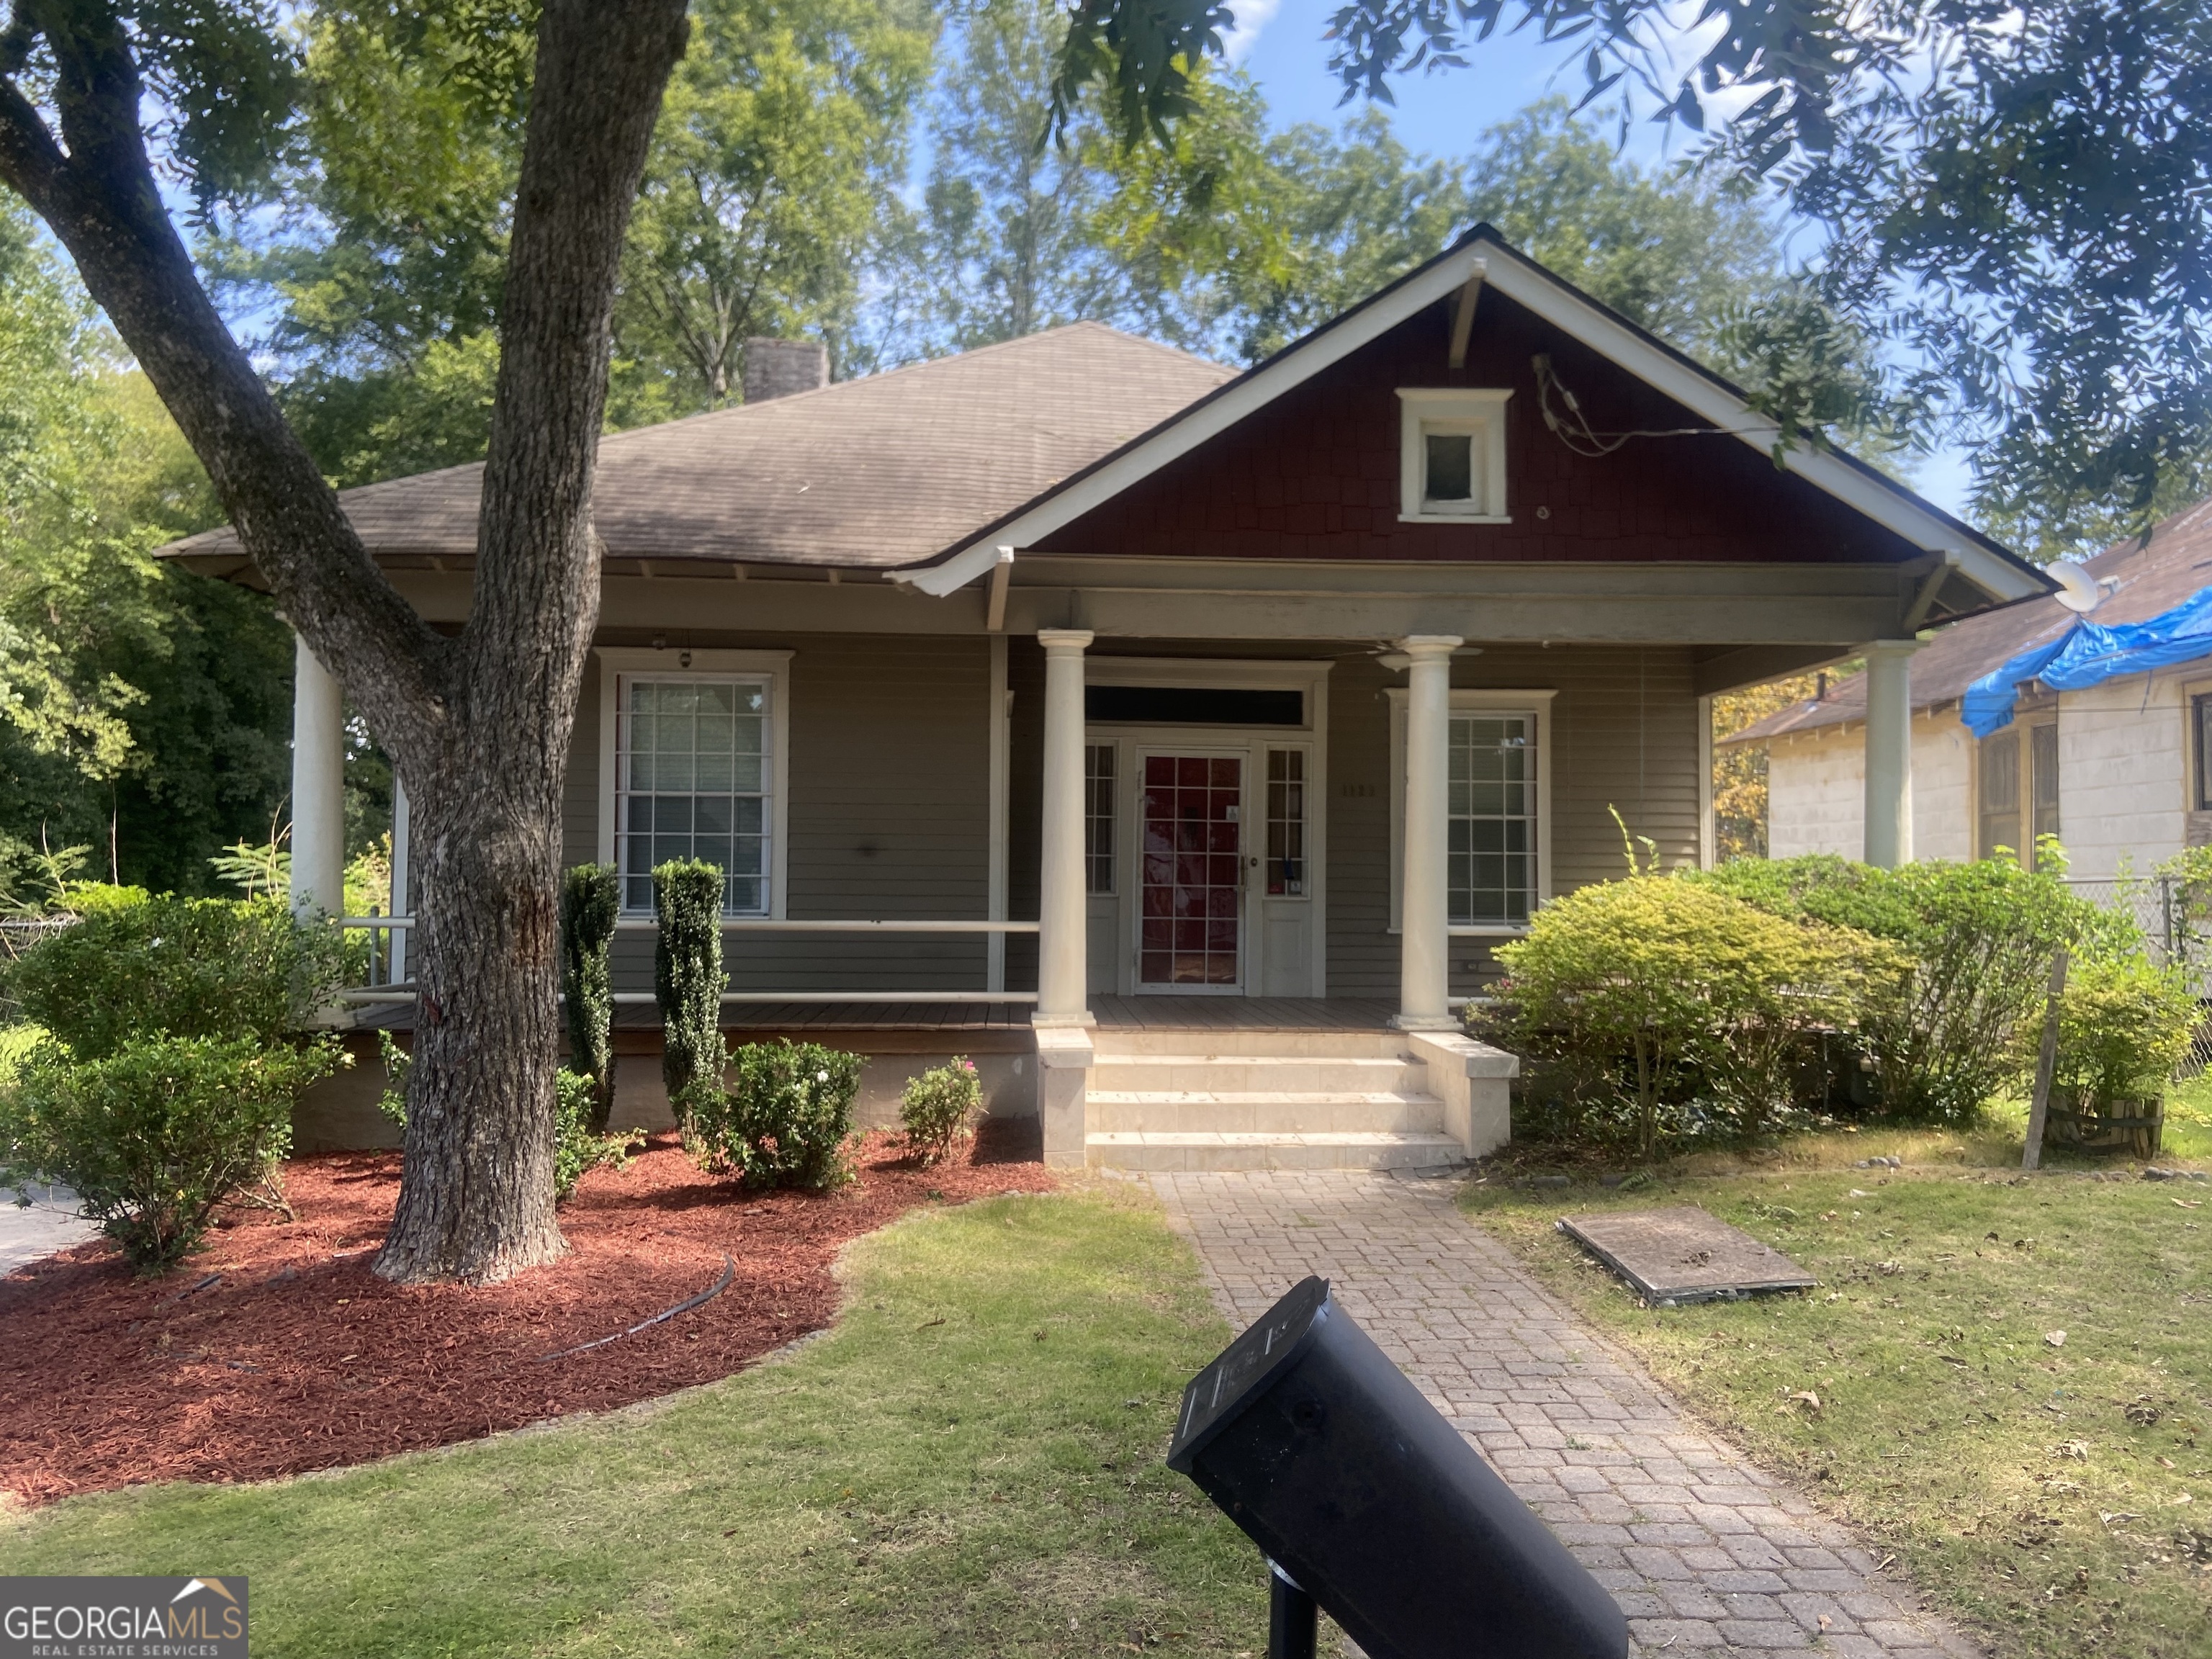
pixel 1674 1256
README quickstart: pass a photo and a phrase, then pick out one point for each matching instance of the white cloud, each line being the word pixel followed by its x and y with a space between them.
pixel 1251 17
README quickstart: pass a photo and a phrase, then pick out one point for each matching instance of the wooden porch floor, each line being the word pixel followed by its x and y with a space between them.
pixel 1160 1013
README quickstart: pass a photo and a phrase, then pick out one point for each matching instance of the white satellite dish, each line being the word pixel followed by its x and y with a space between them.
pixel 2078 590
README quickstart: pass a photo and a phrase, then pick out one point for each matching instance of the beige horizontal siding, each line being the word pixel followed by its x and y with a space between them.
pixel 1623 734
pixel 890 788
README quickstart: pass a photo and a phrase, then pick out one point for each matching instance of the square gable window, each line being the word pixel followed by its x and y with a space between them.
pixel 1453 455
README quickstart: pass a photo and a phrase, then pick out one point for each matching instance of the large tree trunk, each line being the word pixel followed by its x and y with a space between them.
pixel 478 725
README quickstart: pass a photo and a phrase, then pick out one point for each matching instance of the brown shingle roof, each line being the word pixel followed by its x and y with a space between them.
pixel 871 473
pixel 2176 566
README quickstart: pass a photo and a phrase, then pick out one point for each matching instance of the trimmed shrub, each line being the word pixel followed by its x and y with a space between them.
pixel 687 973
pixel 138 967
pixel 157 1133
pixel 579 1143
pixel 785 1120
pixel 590 899
pixel 1978 941
pixel 2123 1028
pixel 1664 1009
pixel 938 1108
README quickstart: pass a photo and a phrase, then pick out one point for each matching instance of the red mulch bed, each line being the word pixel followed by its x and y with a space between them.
pixel 300 1357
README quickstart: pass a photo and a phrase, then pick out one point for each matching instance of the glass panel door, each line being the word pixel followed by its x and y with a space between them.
pixel 1188 931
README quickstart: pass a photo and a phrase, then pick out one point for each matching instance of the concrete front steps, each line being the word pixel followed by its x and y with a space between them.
pixel 1263 1100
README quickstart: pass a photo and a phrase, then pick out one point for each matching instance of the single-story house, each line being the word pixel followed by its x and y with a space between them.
pixel 2120 770
pixel 1177 741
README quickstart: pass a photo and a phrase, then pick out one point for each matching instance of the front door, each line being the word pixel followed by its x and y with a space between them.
pixel 1190 933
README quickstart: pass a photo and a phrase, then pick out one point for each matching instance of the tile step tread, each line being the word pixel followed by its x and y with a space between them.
pixel 1111 1137
pixel 1108 1057
pixel 1262 1098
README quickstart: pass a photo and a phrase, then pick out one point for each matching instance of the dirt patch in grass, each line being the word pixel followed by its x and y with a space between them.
pixel 276 1350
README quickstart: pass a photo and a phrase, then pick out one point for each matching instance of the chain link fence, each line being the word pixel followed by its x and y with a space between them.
pixel 2170 914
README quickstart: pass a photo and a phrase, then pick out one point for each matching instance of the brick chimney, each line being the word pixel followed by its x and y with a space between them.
pixel 776 368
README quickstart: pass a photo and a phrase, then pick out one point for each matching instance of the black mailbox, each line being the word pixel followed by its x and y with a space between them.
pixel 1357 1491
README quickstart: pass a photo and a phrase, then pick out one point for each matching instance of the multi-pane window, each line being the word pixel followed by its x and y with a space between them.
pixel 1286 822
pixel 2018 803
pixel 2043 784
pixel 1493 844
pixel 691 766
pixel 1098 817
pixel 2000 794
pixel 2200 724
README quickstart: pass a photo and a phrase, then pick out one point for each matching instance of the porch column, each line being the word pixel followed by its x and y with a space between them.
pixel 402 900
pixel 1061 908
pixel 318 786
pixel 1889 752
pixel 1424 943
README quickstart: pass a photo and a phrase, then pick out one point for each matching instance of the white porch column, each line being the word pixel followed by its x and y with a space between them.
pixel 1889 752
pixel 1424 942
pixel 318 786
pixel 402 901
pixel 1061 946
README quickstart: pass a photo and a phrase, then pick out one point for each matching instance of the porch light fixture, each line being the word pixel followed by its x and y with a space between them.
pixel 1365 1502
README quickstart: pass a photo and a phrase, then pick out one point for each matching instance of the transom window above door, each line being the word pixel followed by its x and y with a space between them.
pixel 694 781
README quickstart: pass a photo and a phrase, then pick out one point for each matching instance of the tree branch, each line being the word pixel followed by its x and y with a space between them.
pixel 99 197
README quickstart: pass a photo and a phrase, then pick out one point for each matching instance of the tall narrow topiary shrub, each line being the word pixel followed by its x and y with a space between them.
pixel 591 897
pixel 687 973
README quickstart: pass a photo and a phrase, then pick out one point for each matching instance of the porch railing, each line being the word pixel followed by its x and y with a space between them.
pixel 383 928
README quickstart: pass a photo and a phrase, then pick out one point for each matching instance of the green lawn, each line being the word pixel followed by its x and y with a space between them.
pixel 2056 1498
pixel 970 1462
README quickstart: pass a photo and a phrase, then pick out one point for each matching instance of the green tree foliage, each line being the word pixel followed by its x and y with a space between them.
pixel 143 709
pixel 783 130
pixel 782 138
pixel 2015 193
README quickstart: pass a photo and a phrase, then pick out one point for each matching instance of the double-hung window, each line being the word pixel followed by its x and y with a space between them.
pixel 694 771
pixel 1497 803
pixel 1491 837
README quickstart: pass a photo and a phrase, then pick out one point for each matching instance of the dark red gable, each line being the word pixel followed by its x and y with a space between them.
pixel 1315 474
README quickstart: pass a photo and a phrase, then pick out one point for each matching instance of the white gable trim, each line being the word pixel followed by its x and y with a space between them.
pixel 1522 280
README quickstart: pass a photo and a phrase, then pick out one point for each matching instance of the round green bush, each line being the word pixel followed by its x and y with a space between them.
pixel 155 1136
pixel 137 966
pixel 938 1108
pixel 785 1120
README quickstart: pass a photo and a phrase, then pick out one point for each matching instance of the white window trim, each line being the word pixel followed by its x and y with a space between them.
pixel 1537 704
pixel 773 667
pixel 1479 409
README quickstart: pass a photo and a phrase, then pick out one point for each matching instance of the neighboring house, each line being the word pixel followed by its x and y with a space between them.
pixel 2118 770
pixel 1176 741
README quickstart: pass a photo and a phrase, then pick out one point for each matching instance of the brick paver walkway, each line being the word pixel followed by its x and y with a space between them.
pixel 1702 1549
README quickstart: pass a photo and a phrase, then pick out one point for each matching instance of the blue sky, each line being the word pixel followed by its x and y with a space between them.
pixel 1278 43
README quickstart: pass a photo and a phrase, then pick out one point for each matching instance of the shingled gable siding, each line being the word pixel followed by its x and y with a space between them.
pixel 1314 475
pixel 1623 733
pixel 890 792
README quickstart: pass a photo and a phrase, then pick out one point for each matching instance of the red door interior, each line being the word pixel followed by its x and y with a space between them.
pixel 1192 886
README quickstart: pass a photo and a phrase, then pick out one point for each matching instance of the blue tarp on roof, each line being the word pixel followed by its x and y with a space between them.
pixel 2087 654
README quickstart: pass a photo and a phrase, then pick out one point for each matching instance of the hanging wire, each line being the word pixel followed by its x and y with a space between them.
pixel 1572 427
